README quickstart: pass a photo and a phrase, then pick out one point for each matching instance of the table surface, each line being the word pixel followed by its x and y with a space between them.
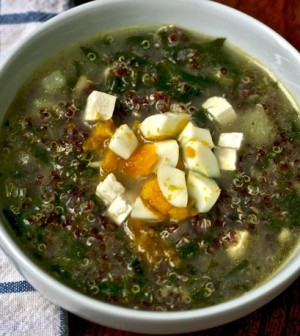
pixel 281 316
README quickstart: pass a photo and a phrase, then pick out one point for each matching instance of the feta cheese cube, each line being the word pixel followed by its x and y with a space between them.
pixel 231 140
pixel 204 191
pixel 109 189
pixel 123 142
pixel 168 153
pixel 200 158
pixel 220 110
pixel 99 106
pixel 119 210
pixel 237 250
pixel 163 126
pixel 192 132
pixel 140 211
pixel 227 158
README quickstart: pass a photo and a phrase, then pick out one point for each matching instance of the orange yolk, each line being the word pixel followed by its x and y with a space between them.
pixel 190 152
pixel 103 131
pixel 156 202
pixel 152 247
pixel 154 199
pixel 140 163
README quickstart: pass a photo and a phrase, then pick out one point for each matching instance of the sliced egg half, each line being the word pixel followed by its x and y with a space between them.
pixel 204 191
pixel 168 153
pixel 163 126
pixel 172 184
pixel 200 158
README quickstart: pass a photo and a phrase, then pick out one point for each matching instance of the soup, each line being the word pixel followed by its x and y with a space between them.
pixel 153 168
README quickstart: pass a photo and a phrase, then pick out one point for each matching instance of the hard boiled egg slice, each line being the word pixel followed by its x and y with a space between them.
pixel 173 185
pixel 168 153
pixel 163 126
pixel 123 142
pixel 200 158
pixel 140 211
pixel 204 191
pixel 192 132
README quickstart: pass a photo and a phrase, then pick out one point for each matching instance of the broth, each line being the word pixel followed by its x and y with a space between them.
pixel 49 172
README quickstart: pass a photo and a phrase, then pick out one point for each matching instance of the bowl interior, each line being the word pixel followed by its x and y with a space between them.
pixel 208 18
pixel 251 36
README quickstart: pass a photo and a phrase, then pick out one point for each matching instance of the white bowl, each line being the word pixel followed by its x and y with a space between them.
pixel 204 16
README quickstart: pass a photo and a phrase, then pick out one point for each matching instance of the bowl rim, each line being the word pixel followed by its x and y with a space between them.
pixel 86 7
pixel 281 279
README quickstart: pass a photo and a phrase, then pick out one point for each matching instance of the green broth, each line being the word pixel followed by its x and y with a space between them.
pixel 49 197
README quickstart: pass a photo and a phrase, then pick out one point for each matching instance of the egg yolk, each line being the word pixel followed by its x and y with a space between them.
pixel 156 202
pixel 190 152
pixel 103 131
pixel 154 199
pixel 139 164
pixel 151 246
